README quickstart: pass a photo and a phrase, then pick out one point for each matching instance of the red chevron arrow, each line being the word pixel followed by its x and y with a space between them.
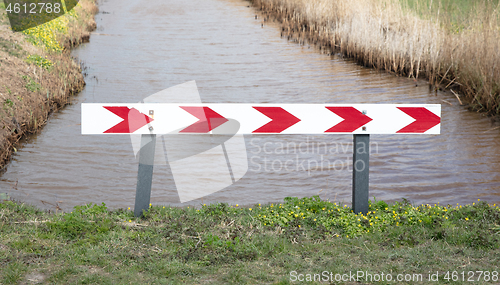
pixel 281 120
pixel 208 120
pixel 132 120
pixel 353 119
pixel 425 119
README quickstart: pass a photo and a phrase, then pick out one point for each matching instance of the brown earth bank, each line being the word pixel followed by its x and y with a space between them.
pixel 29 91
pixel 384 35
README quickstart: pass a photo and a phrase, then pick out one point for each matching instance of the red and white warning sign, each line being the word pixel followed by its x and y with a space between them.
pixel 160 118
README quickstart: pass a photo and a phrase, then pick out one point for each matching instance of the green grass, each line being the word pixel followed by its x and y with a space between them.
pixel 224 244
pixel 39 61
pixel 455 15
pixel 31 84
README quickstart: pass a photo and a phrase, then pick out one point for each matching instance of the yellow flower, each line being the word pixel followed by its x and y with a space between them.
pixel 466 219
pixel 250 209
pixel 129 208
pixel 236 205
pixel 299 226
pixel 315 220
pixel 129 221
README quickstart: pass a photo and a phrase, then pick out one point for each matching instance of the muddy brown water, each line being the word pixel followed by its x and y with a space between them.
pixel 142 47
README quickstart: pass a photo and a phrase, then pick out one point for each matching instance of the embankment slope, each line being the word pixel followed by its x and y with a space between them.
pixel 37 73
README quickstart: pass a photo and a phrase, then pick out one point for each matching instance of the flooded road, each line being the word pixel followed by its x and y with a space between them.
pixel 142 47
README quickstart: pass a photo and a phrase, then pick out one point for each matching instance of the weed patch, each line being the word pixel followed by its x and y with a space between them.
pixel 13 49
pixel 39 61
pixel 31 84
pixel 86 223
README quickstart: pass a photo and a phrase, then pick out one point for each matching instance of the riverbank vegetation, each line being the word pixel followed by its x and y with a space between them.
pixel 37 73
pixel 455 44
pixel 221 243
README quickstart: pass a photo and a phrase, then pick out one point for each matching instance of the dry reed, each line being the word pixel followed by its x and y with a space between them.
pixel 386 34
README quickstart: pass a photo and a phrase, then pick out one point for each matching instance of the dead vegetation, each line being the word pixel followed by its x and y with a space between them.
pixel 30 92
pixel 386 35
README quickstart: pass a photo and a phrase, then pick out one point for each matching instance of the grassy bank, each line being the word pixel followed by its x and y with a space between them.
pixel 262 244
pixel 454 44
pixel 37 73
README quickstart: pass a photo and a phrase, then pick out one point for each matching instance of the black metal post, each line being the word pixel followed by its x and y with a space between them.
pixel 360 173
pixel 145 174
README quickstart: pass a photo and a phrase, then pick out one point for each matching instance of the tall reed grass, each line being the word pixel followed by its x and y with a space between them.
pixel 453 43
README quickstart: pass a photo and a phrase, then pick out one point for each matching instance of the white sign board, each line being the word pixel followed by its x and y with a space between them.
pixel 162 118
